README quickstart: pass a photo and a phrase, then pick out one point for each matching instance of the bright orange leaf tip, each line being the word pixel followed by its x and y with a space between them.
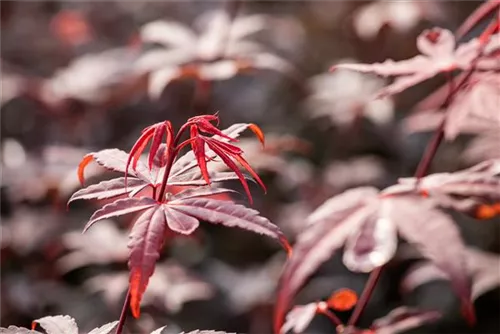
pixel 136 292
pixel 342 300
pixel 258 132
pixel 81 167
pixel 33 325
pixel 287 246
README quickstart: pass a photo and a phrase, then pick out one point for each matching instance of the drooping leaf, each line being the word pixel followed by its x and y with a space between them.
pixel 58 324
pixel 438 54
pixel 120 207
pixel 299 318
pixel 109 189
pixel 428 230
pixel 481 266
pixel 327 230
pixel 402 319
pixel 146 239
pixel 229 214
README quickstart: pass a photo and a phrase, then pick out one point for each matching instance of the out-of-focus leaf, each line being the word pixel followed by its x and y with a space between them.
pixel 102 244
pixel 344 96
pixel 104 329
pixel 481 12
pixel 429 229
pixel 481 266
pixel 299 318
pixel 58 324
pixel 403 319
pixel 327 230
pixel 17 330
pixel 484 146
pixel 438 55
pixel 474 191
pixel 400 16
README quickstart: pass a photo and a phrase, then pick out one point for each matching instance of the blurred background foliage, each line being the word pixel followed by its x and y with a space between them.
pixel 83 76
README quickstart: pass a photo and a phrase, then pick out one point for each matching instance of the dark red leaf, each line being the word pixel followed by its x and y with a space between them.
pixel 146 239
pixel 119 208
pixel 158 134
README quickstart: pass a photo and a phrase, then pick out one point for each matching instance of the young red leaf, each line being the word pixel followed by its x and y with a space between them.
pixel 119 208
pixel 57 324
pixel 198 148
pixel 146 239
pixel 438 55
pixel 258 132
pixel 158 134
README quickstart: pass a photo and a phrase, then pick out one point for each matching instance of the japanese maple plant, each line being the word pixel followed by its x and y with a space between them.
pixel 181 190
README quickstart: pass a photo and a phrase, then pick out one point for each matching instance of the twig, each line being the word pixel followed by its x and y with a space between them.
pixel 123 315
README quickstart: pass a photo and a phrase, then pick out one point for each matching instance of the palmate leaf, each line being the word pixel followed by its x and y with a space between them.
pixel 438 54
pixel 180 213
pixel 367 224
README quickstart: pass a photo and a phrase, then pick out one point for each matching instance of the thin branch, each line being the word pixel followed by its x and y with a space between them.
pixel 365 296
pixel 124 313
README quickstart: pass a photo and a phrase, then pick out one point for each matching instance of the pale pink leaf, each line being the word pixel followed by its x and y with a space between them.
pixel 299 318
pixel 104 329
pixel 17 330
pixel 229 214
pixel 109 189
pixel 116 160
pixel 180 222
pixel 58 324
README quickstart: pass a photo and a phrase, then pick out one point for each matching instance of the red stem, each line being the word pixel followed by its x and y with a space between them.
pixel 365 296
pixel 123 315
pixel 336 320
